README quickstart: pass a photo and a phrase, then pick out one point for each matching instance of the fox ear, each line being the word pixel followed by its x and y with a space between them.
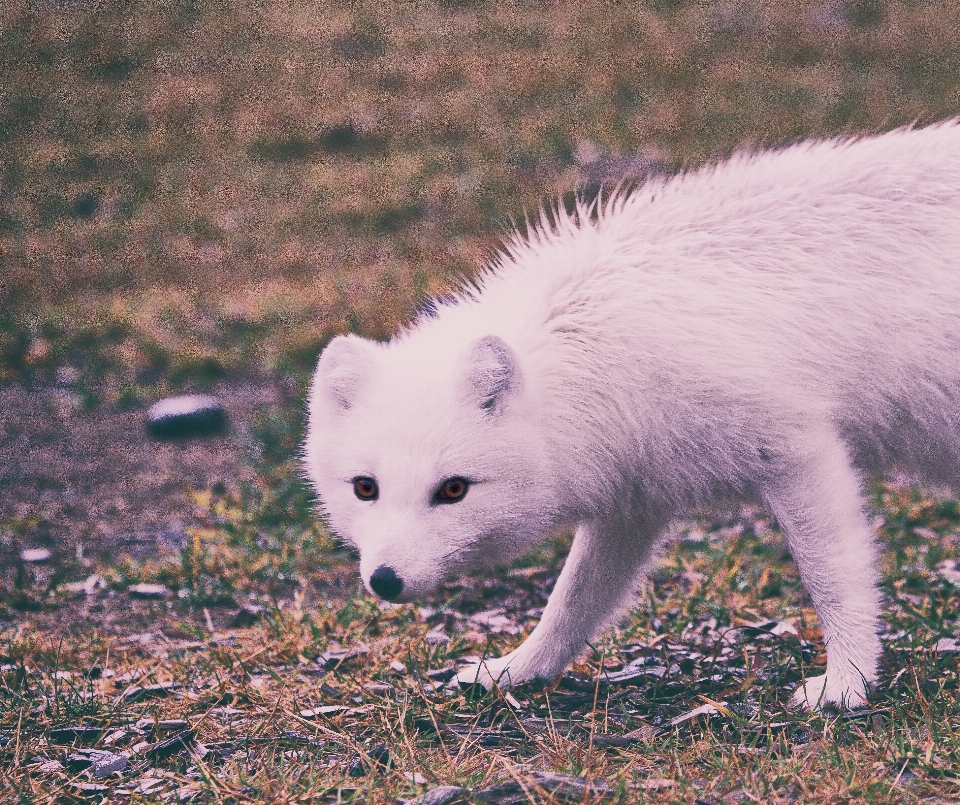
pixel 342 369
pixel 493 376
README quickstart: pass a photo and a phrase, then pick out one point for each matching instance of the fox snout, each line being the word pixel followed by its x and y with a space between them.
pixel 385 582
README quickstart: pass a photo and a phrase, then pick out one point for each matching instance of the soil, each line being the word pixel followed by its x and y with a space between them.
pixel 95 483
pixel 92 486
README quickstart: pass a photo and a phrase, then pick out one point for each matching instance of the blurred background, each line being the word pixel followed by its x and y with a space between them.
pixel 196 196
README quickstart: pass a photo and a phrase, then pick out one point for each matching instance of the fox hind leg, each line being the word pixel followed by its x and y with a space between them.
pixel 815 494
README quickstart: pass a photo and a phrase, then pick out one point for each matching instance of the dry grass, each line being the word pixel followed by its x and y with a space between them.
pixel 277 716
pixel 318 167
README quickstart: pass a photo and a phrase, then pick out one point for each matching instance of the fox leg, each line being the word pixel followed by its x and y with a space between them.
pixel 597 579
pixel 814 493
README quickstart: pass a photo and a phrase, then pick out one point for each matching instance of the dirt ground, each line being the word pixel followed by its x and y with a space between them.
pixel 94 484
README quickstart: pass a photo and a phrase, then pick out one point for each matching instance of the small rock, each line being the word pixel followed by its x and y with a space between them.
pixel 655 784
pixel 327 710
pixel 330 691
pixel 149 785
pixel 378 689
pixel 90 790
pixel 950 570
pixel 186 416
pixel 415 777
pixel 441 674
pixel 436 638
pixel 129 676
pixel 85 758
pixel 357 769
pixel 246 616
pixel 78 734
pixel 158 691
pixel 494 620
pixel 35 555
pixel 381 755
pixel 334 657
pixel 559 786
pixel 170 746
pixel 628 675
pixel 398 666
pixel 149 590
pixel 947 645
pixel 586 152
pixel 108 765
pixel 442 795
pixel 172 725
pixel 118 736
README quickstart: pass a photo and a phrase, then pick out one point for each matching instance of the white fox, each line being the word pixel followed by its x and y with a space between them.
pixel 768 328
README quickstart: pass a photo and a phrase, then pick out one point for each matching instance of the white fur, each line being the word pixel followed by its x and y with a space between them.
pixel 769 328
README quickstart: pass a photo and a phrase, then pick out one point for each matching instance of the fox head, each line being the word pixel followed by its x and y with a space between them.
pixel 427 456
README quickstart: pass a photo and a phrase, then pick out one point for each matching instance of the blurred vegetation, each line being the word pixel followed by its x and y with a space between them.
pixel 273 173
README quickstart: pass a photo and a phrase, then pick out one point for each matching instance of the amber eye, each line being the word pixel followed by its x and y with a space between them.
pixel 452 490
pixel 365 488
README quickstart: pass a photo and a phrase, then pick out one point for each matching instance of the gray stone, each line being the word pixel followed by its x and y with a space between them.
pixel 442 795
pixel 149 590
pixel 187 416
pixel 108 765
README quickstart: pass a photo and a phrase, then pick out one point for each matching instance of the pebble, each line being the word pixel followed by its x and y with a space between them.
pixel 88 586
pixel 333 657
pixel 108 765
pixel 149 590
pixel 172 725
pixel 560 787
pixel 170 746
pixel 442 795
pixel 137 693
pixel 327 710
pixel 35 555
pixel 90 790
pixel 441 674
pixel 380 755
pixel 186 416
pixel 416 778
pixel 436 638
pixel 247 615
pixel 85 758
pixel 77 734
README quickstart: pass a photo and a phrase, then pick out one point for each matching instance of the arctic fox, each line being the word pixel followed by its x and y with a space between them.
pixel 772 327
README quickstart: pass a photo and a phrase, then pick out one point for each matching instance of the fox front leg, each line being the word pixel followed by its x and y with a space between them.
pixel 597 579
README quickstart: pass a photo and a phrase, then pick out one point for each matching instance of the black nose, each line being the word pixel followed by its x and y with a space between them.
pixel 386 583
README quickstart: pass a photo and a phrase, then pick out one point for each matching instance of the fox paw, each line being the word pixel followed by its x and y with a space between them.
pixel 489 674
pixel 823 693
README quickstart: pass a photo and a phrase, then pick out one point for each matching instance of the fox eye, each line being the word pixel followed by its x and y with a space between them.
pixel 365 488
pixel 452 490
